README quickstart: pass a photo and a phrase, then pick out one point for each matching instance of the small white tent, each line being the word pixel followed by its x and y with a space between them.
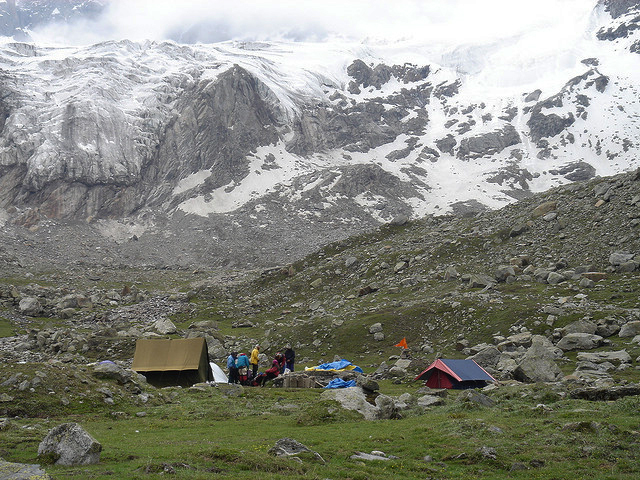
pixel 218 375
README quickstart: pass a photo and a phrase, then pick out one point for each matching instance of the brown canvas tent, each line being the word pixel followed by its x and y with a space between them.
pixel 181 362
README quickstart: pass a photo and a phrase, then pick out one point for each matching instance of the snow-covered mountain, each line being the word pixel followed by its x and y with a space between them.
pixel 17 18
pixel 321 139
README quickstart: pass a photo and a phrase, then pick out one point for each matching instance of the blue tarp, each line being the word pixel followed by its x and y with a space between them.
pixel 339 365
pixel 339 383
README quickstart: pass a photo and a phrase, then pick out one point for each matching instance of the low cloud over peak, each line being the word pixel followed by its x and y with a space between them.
pixel 210 21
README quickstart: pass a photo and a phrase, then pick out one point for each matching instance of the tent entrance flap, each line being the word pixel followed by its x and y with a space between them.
pixel 180 362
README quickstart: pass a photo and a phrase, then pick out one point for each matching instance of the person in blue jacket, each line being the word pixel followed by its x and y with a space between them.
pixel 233 368
pixel 243 368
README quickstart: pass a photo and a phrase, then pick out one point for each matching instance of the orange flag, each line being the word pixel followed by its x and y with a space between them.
pixel 403 343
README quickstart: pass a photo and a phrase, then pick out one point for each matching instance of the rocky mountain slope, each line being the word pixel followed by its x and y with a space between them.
pixel 552 278
pixel 257 153
pixel 543 293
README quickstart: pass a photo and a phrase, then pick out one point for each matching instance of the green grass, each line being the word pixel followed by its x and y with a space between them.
pixel 204 433
pixel 7 328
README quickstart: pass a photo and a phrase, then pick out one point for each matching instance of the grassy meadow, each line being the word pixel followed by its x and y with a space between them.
pixel 533 432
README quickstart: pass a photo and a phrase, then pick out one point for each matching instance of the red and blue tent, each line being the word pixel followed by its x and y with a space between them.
pixel 446 373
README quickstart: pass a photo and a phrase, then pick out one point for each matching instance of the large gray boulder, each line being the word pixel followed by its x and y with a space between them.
pixel 554 278
pixel 538 365
pixel 386 407
pixel 630 329
pixel 70 444
pixel 109 370
pixel 619 357
pixel 607 327
pixel 164 326
pixel 30 306
pixel 487 357
pixel 481 281
pixel 503 272
pixel 507 365
pixel 475 397
pixel 619 258
pixel 579 341
pixel 368 384
pixel 353 398
pixel 405 401
pixel 580 326
pixel 375 328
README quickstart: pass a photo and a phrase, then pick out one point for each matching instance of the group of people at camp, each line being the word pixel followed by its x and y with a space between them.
pixel 244 369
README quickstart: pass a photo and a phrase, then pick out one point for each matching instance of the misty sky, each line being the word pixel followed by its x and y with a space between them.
pixel 441 21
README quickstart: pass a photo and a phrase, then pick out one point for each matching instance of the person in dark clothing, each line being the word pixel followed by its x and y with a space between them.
pixel 289 357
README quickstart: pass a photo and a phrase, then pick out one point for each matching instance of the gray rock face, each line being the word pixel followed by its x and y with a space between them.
pixel 546 126
pixel 576 171
pixel 618 8
pixel 204 132
pixel 489 143
pixel 481 281
pixel 472 396
pixel 368 457
pixel 208 123
pixel 70 444
pixel 365 76
pixel 533 96
pixel 447 144
pixel 21 471
pixel 430 401
pixel 288 447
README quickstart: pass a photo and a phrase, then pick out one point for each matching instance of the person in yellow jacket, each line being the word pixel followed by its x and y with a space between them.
pixel 254 360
